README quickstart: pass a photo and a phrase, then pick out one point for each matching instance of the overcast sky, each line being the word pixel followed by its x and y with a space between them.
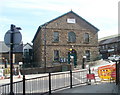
pixel 30 14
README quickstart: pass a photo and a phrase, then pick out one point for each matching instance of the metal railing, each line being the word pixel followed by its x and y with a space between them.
pixel 17 88
pixel 37 85
pixel 46 84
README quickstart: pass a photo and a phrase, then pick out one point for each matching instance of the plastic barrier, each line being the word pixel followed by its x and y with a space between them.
pixel 106 72
pixel 90 76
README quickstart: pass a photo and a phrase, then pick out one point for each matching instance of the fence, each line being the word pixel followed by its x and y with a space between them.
pixel 118 72
pixel 47 83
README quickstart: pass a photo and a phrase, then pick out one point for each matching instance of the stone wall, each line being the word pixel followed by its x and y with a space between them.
pixel 40 70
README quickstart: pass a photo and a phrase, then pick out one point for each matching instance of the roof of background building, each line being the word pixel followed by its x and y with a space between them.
pixel 108 37
pixel 5 49
pixel 110 40
pixel 27 44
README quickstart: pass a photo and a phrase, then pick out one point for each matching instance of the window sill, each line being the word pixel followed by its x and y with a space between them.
pixel 55 41
pixel 86 42
pixel 70 42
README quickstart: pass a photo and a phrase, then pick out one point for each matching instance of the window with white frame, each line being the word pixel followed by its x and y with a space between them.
pixel 87 53
pixel 86 37
pixel 56 55
pixel 56 37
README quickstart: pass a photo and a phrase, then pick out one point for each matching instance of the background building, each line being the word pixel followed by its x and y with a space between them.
pixel 28 55
pixel 109 46
pixel 4 54
pixel 54 40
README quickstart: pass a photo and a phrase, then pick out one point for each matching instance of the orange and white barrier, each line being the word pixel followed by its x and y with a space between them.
pixel 106 71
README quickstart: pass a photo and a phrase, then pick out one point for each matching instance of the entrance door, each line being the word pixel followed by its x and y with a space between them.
pixel 72 57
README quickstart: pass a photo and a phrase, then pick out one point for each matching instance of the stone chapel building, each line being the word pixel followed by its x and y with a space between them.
pixel 54 39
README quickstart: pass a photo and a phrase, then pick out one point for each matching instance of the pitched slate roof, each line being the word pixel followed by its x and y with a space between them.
pixel 110 40
pixel 39 28
pixel 5 49
pixel 27 44
pixel 18 49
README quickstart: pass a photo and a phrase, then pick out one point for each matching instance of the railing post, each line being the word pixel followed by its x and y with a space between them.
pixel 49 83
pixel 89 83
pixel 23 84
pixel 117 72
pixel 70 78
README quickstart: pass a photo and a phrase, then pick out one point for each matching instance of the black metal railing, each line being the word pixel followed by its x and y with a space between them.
pixel 46 84
pixel 37 85
pixel 79 77
pixel 60 80
pixel 17 88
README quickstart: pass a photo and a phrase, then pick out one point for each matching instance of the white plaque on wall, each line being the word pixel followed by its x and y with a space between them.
pixel 71 20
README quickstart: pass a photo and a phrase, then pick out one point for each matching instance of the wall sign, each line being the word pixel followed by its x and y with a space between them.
pixel 71 20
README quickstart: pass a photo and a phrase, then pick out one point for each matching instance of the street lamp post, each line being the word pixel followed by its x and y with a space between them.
pixel 45 47
pixel 12 28
pixel 11 60
pixel 83 65
pixel 23 68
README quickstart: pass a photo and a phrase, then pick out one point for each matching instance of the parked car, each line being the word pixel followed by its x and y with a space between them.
pixel 114 57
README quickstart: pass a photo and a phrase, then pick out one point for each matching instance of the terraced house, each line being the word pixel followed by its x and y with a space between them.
pixel 54 40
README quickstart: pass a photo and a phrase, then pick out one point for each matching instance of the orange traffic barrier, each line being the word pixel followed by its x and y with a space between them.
pixel 106 72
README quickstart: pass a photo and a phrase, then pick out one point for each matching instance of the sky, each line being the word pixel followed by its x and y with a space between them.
pixel 30 14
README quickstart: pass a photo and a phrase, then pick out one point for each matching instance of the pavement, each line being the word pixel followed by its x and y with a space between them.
pixel 101 89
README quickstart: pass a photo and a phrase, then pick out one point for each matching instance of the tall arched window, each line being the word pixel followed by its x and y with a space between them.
pixel 71 37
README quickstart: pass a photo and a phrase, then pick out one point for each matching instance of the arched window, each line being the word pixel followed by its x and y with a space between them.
pixel 71 37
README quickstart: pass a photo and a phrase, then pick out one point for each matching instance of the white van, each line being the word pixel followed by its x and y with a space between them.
pixel 114 57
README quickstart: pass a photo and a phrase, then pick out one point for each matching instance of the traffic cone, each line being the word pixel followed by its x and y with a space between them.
pixel 18 76
pixel 2 77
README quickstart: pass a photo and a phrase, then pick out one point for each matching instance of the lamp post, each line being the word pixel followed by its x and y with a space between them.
pixel 45 46
pixel 23 68
pixel 12 28
pixel 83 65
pixel 11 60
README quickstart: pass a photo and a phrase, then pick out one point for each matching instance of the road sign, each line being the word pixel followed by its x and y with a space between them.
pixel 17 37
pixel 12 38
pixel 90 76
